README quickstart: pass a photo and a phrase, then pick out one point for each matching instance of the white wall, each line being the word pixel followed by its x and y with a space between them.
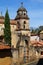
pixel 33 38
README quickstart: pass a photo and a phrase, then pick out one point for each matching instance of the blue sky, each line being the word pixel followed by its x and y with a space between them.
pixel 34 8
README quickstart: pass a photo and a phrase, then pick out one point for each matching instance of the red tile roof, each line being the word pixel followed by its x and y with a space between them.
pixel 3 46
pixel 37 43
pixel 12 21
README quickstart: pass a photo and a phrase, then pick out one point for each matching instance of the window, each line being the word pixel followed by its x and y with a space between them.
pixel 26 42
pixel 24 26
pixel 24 14
pixel 1 38
pixel 41 52
pixel 42 39
pixel 18 24
pixel 24 22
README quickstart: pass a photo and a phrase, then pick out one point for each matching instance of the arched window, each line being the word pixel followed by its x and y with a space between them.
pixel 24 26
pixel 24 13
pixel 24 22
pixel 26 42
pixel 18 24
pixel 1 38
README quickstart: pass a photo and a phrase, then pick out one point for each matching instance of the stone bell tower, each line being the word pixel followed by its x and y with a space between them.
pixel 22 18
pixel 23 32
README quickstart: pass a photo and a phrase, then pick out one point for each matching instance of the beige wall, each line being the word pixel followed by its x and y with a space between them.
pixel 14 37
pixel 15 56
pixel 41 36
pixel 14 40
pixel 21 21
pixel 1 29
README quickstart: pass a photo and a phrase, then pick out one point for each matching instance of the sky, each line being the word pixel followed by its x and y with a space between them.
pixel 34 8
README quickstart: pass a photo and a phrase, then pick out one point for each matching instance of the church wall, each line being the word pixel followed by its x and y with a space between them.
pixel 25 32
pixel 21 50
pixel 21 21
pixel 13 28
pixel 41 36
pixel 15 55
pixel 14 40
pixel 1 29
pixel 14 37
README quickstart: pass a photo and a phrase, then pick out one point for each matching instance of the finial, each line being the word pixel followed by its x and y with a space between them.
pixel 21 4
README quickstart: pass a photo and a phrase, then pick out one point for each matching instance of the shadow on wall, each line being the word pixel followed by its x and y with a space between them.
pixel 5 53
pixel 40 62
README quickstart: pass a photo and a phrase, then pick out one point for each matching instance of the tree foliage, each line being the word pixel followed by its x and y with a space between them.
pixel 37 30
pixel 7 31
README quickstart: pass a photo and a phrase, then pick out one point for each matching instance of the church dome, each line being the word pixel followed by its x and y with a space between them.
pixel 21 9
pixel 21 13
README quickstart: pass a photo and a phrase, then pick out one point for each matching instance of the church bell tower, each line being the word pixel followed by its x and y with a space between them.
pixel 23 31
pixel 22 18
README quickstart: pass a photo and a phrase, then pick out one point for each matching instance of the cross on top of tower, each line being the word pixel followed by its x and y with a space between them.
pixel 21 4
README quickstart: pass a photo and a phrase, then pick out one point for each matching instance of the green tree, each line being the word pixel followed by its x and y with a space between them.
pixel 33 30
pixel 36 30
pixel 40 29
pixel 7 30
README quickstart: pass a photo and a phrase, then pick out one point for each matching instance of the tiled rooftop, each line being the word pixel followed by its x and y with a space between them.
pixel 12 21
pixel 3 46
pixel 37 43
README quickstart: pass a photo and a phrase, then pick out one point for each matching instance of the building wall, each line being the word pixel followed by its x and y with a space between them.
pixel 34 38
pixel 14 37
pixel 15 55
pixel 41 36
pixel 1 29
pixel 21 21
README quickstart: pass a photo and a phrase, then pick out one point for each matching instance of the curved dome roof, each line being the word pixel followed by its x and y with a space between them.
pixel 21 9
pixel 22 14
pixel 21 17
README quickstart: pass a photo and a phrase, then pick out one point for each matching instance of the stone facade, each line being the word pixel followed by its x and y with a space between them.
pixel 20 35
